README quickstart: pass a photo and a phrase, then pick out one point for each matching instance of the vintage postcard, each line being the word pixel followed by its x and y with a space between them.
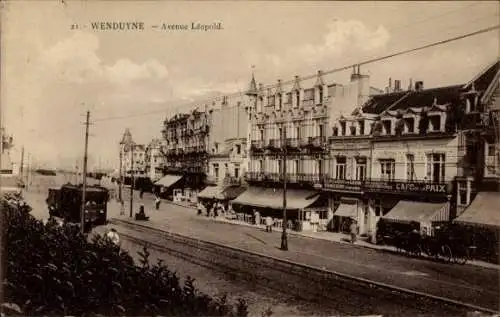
pixel 250 158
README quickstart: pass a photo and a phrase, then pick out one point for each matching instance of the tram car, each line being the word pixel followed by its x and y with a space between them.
pixel 65 204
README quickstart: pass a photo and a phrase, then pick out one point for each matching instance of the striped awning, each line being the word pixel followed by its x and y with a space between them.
pixel 346 210
pixel 415 211
pixel 168 180
pixel 212 192
pixel 273 198
pixel 482 212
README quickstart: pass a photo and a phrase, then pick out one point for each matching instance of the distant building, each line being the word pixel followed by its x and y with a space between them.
pixel 133 157
pixel 155 159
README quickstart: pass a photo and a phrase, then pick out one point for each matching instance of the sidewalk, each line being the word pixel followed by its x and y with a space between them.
pixel 472 284
pixel 334 237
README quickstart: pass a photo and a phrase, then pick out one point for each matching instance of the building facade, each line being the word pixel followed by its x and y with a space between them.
pixel 400 157
pixel 133 157
pixel 186 138
pixel 155 159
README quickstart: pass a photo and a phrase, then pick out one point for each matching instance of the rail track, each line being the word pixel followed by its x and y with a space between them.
pixel 345 294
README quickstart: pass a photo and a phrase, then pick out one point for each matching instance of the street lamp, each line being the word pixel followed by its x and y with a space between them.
pixel 284 239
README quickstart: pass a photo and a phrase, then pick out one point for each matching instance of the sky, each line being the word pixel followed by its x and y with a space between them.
pixel 52 74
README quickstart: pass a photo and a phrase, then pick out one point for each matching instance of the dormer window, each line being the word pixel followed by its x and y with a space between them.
pixel 342 128
pixel 238 149
pixel 387 127
pixel 409 125
pixel 435 123
pixel 335 131
pixel 353 130
pixel 361 125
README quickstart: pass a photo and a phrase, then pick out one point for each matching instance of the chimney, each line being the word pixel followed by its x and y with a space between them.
pixel 397 85
pixel 419 85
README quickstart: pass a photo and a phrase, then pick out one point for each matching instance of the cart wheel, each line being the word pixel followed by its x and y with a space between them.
pixel 446 253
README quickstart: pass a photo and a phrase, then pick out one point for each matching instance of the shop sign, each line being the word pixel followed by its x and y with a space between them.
pixel 405 187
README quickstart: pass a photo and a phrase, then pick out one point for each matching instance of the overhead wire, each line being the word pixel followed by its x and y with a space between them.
pixel 312 76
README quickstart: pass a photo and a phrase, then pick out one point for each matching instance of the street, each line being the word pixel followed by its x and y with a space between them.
pixel 469 284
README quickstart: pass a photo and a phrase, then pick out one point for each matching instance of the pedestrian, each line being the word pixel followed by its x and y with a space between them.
pixel 256 216
pixel 122 208
pixel 200 208
pixel 269 224
pixel 353 229
pixel 141 193
pixel 157 202
pixel 112 235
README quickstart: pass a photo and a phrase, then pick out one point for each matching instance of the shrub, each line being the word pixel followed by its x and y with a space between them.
pixel 55 270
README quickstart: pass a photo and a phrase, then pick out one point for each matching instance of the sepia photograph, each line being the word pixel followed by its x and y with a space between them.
pixel 249 158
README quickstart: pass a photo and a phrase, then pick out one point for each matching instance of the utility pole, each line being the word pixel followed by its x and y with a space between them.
pixel 21 169
pixel 284 240
pixel 131 178
pixel 84 189
pixel 121 178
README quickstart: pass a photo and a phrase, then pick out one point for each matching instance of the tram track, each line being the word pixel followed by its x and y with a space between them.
pixel 343 293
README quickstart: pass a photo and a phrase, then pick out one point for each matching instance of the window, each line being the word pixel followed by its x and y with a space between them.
pixel 409 125
pixel 320 94
pixel 340 168
pixel 270 100
pixel 321 129
pixel 387 169
pixel 342 128
pixel 463 195
pixel 436 167
pixel 278 102
pixel 216 170
pixel 321 167
pixel 296 167
pixel 435 123
pixel 410 167
pixel 280 133
pixel 297 99
pixel 280 166
pixel 238 149
pixel 361 125
pixel 261 134
pixel 360 168
pixel 491 149
pixel 236 172
pixel 261 166
pixel 297 132
pixel 216 147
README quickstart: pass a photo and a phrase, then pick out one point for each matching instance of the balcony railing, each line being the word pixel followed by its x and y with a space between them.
pixel 275 144
pixel 257 145
pixel 292 143
pixel 232 180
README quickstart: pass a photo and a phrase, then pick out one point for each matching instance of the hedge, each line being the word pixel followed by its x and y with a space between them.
pixel 55 270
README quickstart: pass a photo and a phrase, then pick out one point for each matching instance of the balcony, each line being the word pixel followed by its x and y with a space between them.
pixel 292 144
pixel 311 178
pixel 407 187
pixel 349 185
pixel 232 181
pixel 257 145
pixel 254 176
pixel 318 142
pixel 274 144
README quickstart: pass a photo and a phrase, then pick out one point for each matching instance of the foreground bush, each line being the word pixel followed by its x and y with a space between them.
pixel 53 270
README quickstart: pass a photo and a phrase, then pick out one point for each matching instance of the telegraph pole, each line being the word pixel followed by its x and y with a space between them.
pixel 284 240
pixel 131 178
pixel 21 169
pixel 121 178
pixel 84 189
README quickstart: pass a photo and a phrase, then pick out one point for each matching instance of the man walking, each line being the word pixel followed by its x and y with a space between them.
pixel 157 202
pixel 269 224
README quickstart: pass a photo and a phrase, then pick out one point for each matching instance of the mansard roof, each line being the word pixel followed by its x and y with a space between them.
pixel 482 80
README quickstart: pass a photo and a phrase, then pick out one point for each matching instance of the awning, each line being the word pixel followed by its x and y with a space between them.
pixel 346 210
pixel 483 211
pixel 210 192
pixel 273 198
pixel 415 211
pixel 231 192
pixel 168 180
